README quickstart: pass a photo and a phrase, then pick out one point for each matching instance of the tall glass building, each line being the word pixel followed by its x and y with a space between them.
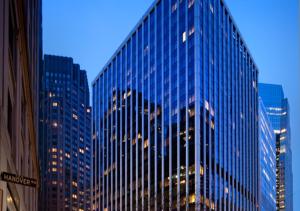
pixel 267 153
pixel 277 108
pixel 175 118
pixel 65 136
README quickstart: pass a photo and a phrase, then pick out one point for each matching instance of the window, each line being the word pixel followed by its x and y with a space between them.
pixel 211 8
pixel 191 31
pixel 174 7
pixel 183 37
pixel 75 116
pixel 191 3
pixel 146 143
pixel 81 151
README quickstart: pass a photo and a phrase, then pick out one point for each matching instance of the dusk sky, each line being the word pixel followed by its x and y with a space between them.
pixel 90 32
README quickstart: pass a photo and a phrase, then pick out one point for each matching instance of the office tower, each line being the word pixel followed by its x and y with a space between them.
pixel 175 123
pixel 20 35
pixel 65 136
pixel 277 108
pixel 267 153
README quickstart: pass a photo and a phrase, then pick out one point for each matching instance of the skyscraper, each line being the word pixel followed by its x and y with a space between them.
pixel 277 108
pixel 175 118
pixel 65 136
pixel 20 40
pixel 267 153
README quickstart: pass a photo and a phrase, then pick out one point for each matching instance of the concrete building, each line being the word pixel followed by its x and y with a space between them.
pixel 20 52
pixel 65 136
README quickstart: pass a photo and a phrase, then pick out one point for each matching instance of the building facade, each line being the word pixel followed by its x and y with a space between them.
pixel 277 108
pixel 175 118
pixel 267 153
pixel 65 136
pixel 20 40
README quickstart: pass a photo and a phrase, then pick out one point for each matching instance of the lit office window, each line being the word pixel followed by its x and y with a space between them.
pixel 183 37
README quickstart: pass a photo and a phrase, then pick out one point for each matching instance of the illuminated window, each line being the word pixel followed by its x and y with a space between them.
pixel 55 124
pixel 201 170
pixel 206 105
pixel 174 7
pixel 81 151
pixel 54 104
pixel 254 84
pixel 54 169
pixel 67 155
pixel 277 131
pixel 191 31
pixel 75 116
pixel 54 163
pixel 74 183
pixel 282 138
pixel 226 190
pixel 212 125
pixel 54 150
pixel 146 143
pixel 191 2
pixel 192 198
pixel 54 182
pixel 134 141
pixel 183 36
pixel 211 8
pixel 88 110
pixel 282 149
pixel 74 196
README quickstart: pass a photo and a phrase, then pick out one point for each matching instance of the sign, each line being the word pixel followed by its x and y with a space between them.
pixel 8 177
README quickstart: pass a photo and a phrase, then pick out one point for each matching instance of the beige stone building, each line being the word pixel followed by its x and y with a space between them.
pixel 20 53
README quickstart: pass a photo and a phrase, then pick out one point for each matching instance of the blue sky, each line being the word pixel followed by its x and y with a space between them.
pixel 90 31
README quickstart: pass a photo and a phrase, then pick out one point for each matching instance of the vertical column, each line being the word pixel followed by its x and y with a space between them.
pixel 143 120
pixel 197 102
pixel 121 131
pixel 131 126
pixel 186 76
pixel 177 109
pixel 137 156
pixel 117 131
pixel 170 110
pixel 155 111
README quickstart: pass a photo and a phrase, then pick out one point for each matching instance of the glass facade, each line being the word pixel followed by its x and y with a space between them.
pixel 65 136
pixel 267 153
pixel 277 108
pixel 175 121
